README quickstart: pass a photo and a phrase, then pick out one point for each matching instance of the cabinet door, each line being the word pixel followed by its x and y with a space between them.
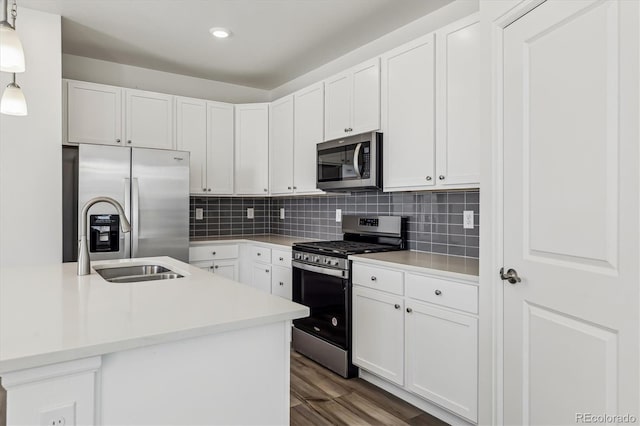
pixel 408 116
pixel 94 113
pixel 281 281
pixel 337 106
pixel 281 145
pixel 458 102
pixel 261 278
pixel 207 265
pixel 149 119
pixel 252 149
pixel 308 132
pixel 226 268
pixel 378 334
pixel 220 142
pixel 365 104
pixel 442 356
pixel 191 135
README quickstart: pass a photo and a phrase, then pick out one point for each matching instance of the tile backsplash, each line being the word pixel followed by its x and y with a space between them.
pixel 434 218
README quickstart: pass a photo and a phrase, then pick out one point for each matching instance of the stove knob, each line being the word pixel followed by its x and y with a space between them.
pixel 336 262
pixel 298 255
pixel 305 257
pixel 316 259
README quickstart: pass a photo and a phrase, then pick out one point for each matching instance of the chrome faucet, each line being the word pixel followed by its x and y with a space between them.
pixel 84 263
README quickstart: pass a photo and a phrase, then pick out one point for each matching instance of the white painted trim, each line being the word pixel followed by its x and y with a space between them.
pixel 47 372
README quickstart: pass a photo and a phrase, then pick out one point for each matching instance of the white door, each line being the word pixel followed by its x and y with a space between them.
pixel 281 282
pixel 220 144
pixel 191 135
pixel 252 149
pixel 261 278
pixel 365 104
pixel 337 106
pixel 149 119
pixel 571 212
pixel 94 113
pixel 378 333
pixel 308 132
pixel 408 115
pixel 226 268
pixel 281 145
pixel 458 105
pixel 442 357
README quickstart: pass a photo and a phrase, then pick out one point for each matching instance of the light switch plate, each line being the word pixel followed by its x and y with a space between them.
pixel 467 219
pixel 250 213
pixel 338 215
pixel 199 214
pixel 282 213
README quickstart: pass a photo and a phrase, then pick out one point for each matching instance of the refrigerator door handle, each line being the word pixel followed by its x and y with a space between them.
pixel 135 214
pixel 127 212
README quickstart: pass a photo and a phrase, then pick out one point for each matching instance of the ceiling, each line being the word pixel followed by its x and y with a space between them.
pixel 273 41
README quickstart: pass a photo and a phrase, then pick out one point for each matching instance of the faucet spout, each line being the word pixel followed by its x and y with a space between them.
pixel 84 263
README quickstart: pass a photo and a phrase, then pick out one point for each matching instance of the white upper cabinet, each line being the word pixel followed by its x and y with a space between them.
pixel 252 149
pixel 352 101
pixel 308 132
pixel 458 102
pixel 220 143
pixel 191 135
pixel 281 145
pixel 93 113
pixel 149 119
pixel 408 115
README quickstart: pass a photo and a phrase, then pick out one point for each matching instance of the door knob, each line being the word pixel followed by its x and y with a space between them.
pixel 511 276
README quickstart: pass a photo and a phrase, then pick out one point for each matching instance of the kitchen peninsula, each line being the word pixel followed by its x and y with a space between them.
pixel 191 350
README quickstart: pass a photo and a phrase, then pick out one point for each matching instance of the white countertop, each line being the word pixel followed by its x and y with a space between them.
pixel 464 268
pixel 278 240
pixel 48 314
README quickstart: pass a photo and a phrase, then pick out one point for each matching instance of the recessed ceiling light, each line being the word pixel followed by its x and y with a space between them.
pixel 219 32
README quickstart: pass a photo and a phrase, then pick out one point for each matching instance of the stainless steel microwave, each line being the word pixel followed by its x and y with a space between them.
pixel 353 163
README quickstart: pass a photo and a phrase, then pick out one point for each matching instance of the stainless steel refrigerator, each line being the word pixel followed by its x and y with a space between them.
pixel 152 185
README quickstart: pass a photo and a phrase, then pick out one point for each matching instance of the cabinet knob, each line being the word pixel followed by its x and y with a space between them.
pixel 265 190
pixel 409 310
pixel 373 278
pixel 129 141
pixel 288 187
pixel 396 306
pixel 281 283
pixel 295 187
pixel 209 189
pixel 346 130
pixel 281 259
pixel 216 266
pixel 213 253
pixel 438 292
pixel 259 254
pixel 441 177
pixel 117 140
pixel 204 189
pixel 428 177
pixel 266 270
pixel 350 129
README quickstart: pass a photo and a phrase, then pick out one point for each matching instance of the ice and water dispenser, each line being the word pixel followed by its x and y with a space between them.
pixel 104 233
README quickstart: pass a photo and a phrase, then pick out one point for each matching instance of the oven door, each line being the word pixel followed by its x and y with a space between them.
pixel 327 297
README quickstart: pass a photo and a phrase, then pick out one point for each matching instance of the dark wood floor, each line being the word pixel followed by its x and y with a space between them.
pixel 320 397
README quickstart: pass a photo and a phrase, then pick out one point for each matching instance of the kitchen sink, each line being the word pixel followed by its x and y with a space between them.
pixel 137 273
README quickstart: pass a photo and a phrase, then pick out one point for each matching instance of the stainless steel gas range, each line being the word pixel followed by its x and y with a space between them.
pixel 322 281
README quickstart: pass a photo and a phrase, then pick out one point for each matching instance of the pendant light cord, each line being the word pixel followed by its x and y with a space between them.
pixel 14 13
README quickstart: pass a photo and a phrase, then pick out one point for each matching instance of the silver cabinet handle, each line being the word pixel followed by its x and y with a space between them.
pixel 216 266
pixel 281 259
pixel 511 276
pixel 209 189
pixel 204 189
pixel 295 187
pixel 288 187
pixel 409 310
pixel 266 270
pixel 265 190
pixel 117 140
pixel 349 129
pixel 213 253
pixel 259 254
pixel 281 283
pixel 396 306
pixel 428 177
pixel 441 177
pixel 346 130
pixel 373 278
pixel 129 141
pixel 438 292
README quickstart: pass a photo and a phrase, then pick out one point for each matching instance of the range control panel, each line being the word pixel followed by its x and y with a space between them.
pixel 321 260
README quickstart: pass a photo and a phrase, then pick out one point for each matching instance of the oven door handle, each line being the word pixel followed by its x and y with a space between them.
pixel 356 163
pixel 326 271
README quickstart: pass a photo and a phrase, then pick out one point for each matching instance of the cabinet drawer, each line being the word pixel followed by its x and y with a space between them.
pixel 213 252
pixel 378 278
pixel 261 254
pixel 281 258
pixel 443 292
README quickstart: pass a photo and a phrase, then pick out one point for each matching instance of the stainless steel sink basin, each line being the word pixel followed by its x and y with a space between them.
pixel 137 273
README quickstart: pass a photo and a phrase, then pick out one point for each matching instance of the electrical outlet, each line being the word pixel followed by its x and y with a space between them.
pixel 199 214
pixel 282 213
pixel 250 213
pixel 338 215
pixel 63 415
pixel 467 219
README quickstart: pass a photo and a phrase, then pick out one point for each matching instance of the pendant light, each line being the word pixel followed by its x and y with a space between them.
pixel 11 52
pixel 13 101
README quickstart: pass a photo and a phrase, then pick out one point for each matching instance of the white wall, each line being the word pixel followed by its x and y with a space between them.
pixel 97 71
pixel 30 153
pixel 426 24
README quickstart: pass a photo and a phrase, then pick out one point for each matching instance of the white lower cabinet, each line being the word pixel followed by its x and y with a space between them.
pixel 423 348
pixel 377 333
pixel 216 258
pixel 261 278
pixel 281 282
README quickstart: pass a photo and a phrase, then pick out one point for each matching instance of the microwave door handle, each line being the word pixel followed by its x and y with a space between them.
pixel 356 165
